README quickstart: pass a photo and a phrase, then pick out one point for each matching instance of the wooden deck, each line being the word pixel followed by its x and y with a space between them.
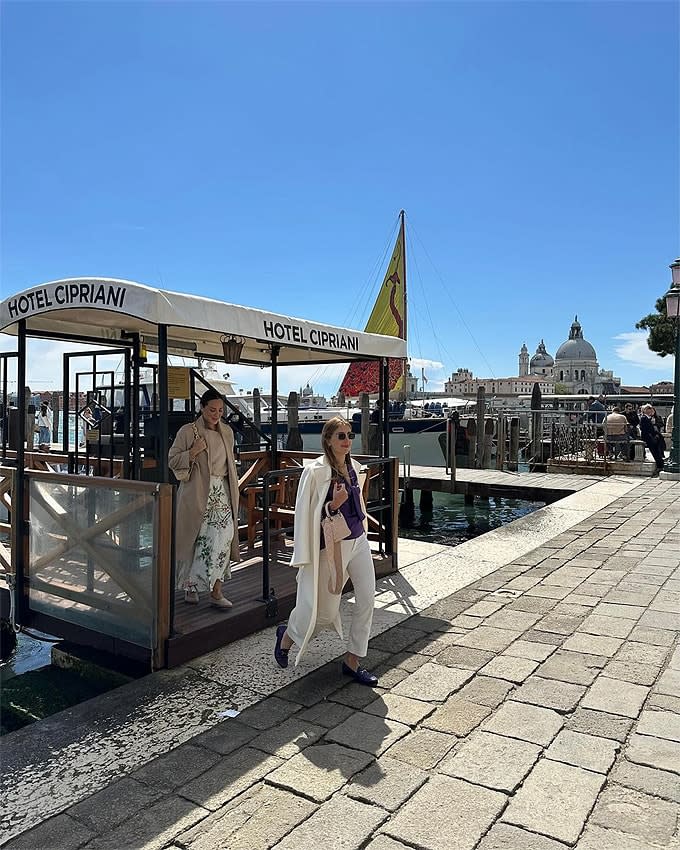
pixel 535 486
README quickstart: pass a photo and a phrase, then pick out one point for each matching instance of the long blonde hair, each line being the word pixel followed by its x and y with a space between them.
pixel 330 427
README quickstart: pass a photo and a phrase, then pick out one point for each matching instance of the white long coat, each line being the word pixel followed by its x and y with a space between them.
pixel 312 490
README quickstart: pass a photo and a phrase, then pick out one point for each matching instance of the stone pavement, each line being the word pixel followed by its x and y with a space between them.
pixel 538 708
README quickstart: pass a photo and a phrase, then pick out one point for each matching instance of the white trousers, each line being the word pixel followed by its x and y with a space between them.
pixel 356 555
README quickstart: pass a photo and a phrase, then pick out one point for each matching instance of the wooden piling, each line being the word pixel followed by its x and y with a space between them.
pixel 487 444
pixel 479 456
pixel 500 442
pixel 472 442
pixel 536 425
pixel 514 444
pixel 426 501
pixel 293 438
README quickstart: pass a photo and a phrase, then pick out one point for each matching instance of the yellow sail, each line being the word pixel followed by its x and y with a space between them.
pixel 387 317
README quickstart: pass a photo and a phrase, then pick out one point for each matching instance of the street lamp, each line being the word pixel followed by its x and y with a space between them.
pixel 673 313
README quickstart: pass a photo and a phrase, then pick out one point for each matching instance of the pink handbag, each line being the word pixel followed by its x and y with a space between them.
pixel 334 529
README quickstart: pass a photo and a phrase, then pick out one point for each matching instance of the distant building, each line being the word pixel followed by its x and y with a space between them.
pixel 662 387
pixel 463 383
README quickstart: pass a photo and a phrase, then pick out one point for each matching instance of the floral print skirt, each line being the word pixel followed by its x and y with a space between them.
pixel 213 544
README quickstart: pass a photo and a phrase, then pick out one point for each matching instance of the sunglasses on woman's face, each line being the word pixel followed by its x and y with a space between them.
pixel 341 435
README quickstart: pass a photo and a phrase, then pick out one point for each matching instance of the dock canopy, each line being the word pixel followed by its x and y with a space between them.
pixel 110 309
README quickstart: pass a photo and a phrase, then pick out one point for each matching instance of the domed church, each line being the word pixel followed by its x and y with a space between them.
pixel 575 366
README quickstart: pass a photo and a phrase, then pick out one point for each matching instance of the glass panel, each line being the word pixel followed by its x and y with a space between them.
pixel 91 557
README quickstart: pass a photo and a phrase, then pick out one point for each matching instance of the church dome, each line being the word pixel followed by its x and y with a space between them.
pixel 576 347
pixel 541 358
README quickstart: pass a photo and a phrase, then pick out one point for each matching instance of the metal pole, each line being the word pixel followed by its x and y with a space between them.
pixel 18 506
pixel 275 410
pixel 265 538
pixel 384 401
pixel 674 463
pixel 163 404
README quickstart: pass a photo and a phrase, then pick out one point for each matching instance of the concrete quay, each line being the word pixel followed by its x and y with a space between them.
pixel 529 699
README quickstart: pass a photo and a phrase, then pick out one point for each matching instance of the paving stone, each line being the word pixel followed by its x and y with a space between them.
pixel 229 777
pixel 550 638
pixel 109 807
pixel 560 624
pixel 268 713
pixel 629 671
pixel 666 600
pixel 511 668
pixel 226 737
pixel 654 752
pixel 446 814
pixel 547 591
pixel 486 690
pixel 615 697
pixel 493 761
pixel 657 637
pixel 664 702
pixel 660 620
pixel 326 713
pixel 528 649
pixel 464 622
pixel 62 832
pixel 582 599
pixel 408 661
pixel 432 682
pixel 434 644
pixel 531 604
pixel 658 783
pixel 249 821
pixel 340 823
pixel 503 836
pixel 669 683
pixel 660 724
pixel 628 612
pixel 384 842
pixel 488 638
pixel 599 723
pixel 387 782
pixel 319 771
pixel 571 609
pixel 367 732
pixel 597 624
pixel 642 653
pixel 457 716
pixel 465 657
pixel 484 608
pixel 309 690
pixel 516 621
pixel 152 828
pixel 576 667
pixel 635 813
pixel 288 738
pixel 389 677
pixel 355 695
pixel 524 721
pixel 395 639
pixel 551 693
pixel 628 597
pixel 592 644
pixel 424 748
pixel 588 751
pixel 597 838
pixel 555 800
pixel 402 709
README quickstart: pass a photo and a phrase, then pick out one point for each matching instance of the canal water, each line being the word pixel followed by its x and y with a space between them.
pixel 452 522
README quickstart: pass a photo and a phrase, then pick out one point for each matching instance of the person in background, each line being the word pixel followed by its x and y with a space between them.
pixel 206 528
pixel 618 431
pixel 632 417
pixel 650 433
pixel 44 421
pixel 330 483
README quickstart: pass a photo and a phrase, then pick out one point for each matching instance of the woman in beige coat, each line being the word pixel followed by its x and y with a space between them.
pixel 206 527
pixel 331 483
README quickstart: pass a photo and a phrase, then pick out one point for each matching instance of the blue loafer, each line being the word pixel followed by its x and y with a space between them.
pixel 281 655
pixel 360 675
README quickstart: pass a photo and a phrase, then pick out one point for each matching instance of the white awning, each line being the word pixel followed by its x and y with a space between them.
pixel 105 308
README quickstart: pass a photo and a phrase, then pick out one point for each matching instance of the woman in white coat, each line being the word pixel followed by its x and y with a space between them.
pixel 206 536
pixel 332 483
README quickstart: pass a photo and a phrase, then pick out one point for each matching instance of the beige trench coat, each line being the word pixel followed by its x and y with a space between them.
pixel 314 483
pixel 192 496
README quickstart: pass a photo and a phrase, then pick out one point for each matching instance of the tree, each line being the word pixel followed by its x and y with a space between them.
pixel 561 389
pixel 661 330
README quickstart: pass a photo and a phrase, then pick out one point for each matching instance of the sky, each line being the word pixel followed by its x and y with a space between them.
pixel 260 153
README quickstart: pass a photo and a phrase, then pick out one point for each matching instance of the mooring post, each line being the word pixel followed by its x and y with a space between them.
pixel 479 457
pixel 55 417
pixel 426 501
pixel 487 443
pixel 514 444
pixel 536 426
pixel 294 438
pixel 468 499
pixel 407 510
pixel 500 442
pixel 472 442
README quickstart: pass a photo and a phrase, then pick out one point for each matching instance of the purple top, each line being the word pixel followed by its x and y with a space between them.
pixel 350 509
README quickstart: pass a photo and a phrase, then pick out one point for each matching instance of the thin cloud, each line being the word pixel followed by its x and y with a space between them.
pixel 634 351
pixel 421 363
